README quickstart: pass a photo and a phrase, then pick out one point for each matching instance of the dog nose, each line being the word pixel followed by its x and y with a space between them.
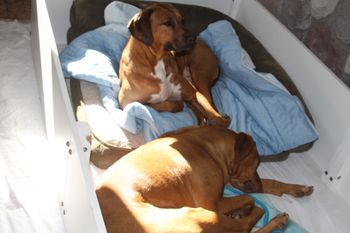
pixel 250 187
pixel 190 39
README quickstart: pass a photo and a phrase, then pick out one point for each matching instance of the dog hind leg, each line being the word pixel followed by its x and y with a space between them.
pixel 279 188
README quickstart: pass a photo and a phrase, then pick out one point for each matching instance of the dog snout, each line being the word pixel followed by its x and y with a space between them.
pixel 186 42
pixel 190 39
pixel 251 186
pixel 248 186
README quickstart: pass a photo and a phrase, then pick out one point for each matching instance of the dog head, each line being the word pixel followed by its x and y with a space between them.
pixel 244 175
pixel 161 26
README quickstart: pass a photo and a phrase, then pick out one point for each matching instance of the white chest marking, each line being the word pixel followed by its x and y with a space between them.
pixel 168 91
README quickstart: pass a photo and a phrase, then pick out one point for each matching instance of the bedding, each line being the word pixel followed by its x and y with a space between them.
pixel 86 15
pixel 257 103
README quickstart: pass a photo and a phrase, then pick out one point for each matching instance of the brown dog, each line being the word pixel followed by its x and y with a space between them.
pixel 175 184
pixel 150 73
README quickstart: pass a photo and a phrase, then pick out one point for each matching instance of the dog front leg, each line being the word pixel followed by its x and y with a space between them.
pixel 236 207
pixel 276 223
pixel 238 213
pixel 279 188
pixel 242 210
pixel 241 214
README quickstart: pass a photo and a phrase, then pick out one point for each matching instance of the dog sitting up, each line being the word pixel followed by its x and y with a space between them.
pixel 151 73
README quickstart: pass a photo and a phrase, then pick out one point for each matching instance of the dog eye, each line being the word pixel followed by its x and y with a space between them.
pixel 169 23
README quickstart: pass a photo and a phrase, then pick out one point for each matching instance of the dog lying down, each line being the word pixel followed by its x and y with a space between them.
pixel 175 184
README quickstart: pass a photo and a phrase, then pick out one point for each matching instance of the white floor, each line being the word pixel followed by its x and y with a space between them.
pixel 29 171
pixel 322 212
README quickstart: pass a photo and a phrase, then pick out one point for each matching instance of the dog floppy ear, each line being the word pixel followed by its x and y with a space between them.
pixel 244 146
pixel 140 27
pixel 247 161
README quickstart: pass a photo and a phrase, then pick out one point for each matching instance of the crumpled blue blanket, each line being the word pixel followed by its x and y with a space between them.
pixel 257 105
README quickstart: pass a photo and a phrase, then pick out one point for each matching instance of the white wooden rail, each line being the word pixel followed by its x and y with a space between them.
pixel 80 209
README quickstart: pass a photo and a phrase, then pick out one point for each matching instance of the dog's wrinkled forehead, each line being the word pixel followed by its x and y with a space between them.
pixel 161 11
pixel 245 148
pixel 154 16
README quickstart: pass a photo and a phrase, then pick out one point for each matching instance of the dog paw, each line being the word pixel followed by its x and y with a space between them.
pixel 280 220
pixel 241 212
pixel 301 191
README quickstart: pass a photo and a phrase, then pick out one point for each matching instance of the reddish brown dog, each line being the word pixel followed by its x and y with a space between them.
pixel 175 184
pixel 152 74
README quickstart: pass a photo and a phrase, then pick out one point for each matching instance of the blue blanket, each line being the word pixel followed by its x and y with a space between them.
pixel 256 105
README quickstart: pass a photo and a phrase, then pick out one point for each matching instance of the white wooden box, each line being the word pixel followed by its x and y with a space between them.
pixel 327 98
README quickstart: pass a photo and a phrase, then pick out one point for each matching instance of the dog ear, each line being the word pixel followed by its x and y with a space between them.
pixel 140 27
pixel 244 146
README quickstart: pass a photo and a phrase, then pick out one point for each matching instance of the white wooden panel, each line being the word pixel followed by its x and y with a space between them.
pixel 80 209
pixel 327 98
pixel 325 95
pixel 81 212
pixel 59 17
pixel 41 50
pixel 339 172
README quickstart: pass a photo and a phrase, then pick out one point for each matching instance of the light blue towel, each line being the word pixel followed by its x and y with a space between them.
pixel 257 106
pixel 262 201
